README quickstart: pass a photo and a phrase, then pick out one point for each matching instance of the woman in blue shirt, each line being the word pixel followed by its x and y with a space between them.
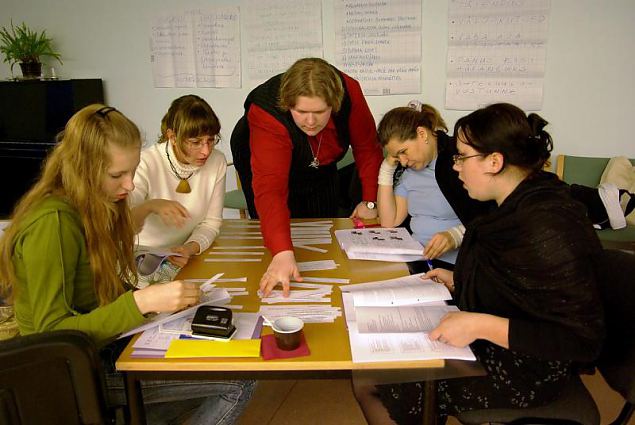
pixel 428 190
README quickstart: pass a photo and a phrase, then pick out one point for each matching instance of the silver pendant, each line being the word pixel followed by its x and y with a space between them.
pixel 315 163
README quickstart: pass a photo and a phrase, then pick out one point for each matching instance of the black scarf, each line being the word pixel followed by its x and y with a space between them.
pixel 532 259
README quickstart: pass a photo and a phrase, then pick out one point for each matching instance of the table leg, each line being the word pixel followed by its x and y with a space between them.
pixel 429 402
pixel 135 411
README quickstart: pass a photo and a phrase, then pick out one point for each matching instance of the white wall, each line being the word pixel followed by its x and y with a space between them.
pixel 589 88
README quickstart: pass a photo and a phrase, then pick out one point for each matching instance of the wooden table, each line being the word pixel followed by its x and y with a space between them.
pixel 330 349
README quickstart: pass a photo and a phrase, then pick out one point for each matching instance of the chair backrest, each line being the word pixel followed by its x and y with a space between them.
pixel 51 378
pixel 582 170
pixel 346 160
pixel 617 288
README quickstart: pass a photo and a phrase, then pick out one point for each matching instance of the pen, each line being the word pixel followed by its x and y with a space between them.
pixel 430 266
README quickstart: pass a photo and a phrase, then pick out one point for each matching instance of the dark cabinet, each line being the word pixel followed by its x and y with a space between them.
pixel 31 114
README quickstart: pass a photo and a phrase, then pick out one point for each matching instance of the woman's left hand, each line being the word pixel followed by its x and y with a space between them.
pixel 362 211
pixel 186 251
pixel 438 245
pixel 457 329
pixel 461 328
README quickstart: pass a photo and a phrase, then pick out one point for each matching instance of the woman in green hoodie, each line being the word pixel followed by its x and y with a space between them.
pixel 66 260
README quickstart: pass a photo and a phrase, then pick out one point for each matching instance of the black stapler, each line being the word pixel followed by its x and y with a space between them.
pixel 212 321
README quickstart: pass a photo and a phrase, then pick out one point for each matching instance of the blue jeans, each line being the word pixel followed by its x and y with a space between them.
pixel 173 402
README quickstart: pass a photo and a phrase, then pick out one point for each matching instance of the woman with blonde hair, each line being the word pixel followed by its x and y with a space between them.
pixel 296 126
pixel 180 184
pixel 66 260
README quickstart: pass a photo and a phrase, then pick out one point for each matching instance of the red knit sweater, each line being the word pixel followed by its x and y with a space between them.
pixel 271 159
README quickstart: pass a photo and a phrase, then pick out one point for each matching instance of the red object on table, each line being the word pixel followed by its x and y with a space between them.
pixel 271 351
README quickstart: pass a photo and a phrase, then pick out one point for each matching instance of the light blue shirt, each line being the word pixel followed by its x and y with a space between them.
pixel 430 211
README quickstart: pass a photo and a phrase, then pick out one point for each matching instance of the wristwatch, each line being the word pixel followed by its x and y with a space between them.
pixel 370 205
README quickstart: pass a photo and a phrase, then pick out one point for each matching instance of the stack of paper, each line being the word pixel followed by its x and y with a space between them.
pixel 380 244
pixel 391 319
pixel 308 313
pixel 154 342
pixel 313 293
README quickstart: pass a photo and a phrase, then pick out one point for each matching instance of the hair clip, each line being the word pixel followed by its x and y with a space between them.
pixel 102 112
pixel 416 105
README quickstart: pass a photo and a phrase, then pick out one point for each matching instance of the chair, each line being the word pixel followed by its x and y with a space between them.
pixel 51 378
pixel 616 362
pixel 236 198
pixel 575 405
pixel 587 171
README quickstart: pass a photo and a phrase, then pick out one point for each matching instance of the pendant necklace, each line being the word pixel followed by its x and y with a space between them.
pixel 183 186
pixel 316 162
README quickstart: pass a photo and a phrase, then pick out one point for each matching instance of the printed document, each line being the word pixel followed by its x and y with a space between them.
pixel 390 320
pixel 407 290
pixel 379 244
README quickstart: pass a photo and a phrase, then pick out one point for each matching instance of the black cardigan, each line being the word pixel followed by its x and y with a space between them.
pixel 532 260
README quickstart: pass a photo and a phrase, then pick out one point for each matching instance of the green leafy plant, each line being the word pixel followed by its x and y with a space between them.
pixel 20 44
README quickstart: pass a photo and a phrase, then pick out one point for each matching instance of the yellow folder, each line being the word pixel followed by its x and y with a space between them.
pixel 184 348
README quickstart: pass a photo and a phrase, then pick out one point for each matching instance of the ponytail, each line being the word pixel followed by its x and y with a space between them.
pixel 402 122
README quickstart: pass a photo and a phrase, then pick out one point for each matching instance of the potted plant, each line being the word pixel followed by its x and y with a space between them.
pixel 22 45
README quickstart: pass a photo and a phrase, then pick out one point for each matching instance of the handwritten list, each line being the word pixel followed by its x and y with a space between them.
pixel 379 43
pixel 278 34
pixel 196 48
pixel 496 53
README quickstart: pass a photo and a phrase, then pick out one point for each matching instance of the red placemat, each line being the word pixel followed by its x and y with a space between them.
pixel 271 351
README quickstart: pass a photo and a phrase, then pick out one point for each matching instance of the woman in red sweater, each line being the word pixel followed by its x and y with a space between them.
pixel 297 125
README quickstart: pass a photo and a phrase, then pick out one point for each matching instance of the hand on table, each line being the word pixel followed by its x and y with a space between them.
pixel 167 297
pixel 462 328
pixel 187 251
pixel 458 329
pixel 282 269
pixel 362 211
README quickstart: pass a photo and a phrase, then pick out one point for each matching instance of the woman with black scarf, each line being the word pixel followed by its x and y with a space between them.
pixel 524 279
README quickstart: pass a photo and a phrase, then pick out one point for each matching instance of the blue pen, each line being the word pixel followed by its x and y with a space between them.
pixel 430 266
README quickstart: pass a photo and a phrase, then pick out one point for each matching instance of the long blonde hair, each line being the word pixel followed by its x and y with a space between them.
pixel 75 171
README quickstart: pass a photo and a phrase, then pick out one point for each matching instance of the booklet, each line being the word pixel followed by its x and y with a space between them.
pixel 380 244
pixel 407 290
pixel 390 320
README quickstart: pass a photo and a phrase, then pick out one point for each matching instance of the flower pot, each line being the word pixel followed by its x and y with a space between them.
pixel 31 70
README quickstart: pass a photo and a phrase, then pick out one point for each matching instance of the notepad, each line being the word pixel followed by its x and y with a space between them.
pixel 187 348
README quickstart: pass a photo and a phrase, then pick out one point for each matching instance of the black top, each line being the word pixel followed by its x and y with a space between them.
pixel 532 260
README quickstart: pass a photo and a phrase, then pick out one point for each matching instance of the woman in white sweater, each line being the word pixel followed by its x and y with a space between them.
pixel 180 182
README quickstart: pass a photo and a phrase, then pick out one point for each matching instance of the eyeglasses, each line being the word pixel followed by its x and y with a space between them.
pixel 197 144
pixel 458 159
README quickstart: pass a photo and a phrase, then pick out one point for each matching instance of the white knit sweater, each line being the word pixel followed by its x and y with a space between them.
pixel 154 179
